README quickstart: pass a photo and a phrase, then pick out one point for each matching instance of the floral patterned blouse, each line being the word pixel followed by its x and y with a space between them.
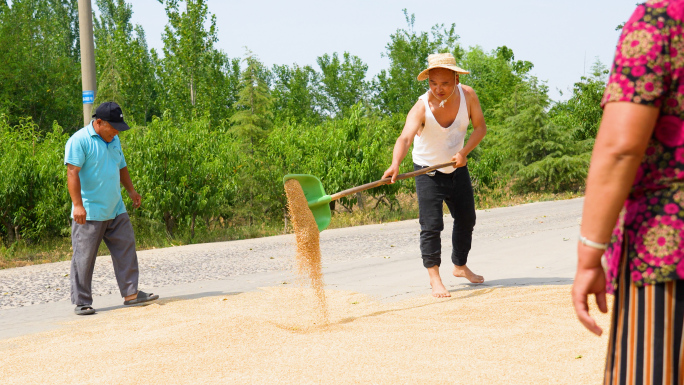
pixel 649 70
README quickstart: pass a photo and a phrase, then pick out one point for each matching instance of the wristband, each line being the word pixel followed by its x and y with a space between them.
pixel 595 245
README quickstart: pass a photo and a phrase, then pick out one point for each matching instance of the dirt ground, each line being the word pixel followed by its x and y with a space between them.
pixel 482 335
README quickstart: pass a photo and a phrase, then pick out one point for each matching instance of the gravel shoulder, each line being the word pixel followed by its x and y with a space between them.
pixel 494 241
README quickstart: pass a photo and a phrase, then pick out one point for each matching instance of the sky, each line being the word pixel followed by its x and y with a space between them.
pixel 561 38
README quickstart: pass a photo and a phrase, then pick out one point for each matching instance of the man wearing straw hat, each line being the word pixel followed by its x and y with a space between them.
pixel 437 125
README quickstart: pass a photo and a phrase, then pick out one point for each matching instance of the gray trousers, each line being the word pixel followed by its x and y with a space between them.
pixel 118 235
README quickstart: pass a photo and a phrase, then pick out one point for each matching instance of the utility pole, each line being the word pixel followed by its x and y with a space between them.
pixel 88 72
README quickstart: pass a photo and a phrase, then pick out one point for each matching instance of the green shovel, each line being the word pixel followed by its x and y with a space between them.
pixel 319 201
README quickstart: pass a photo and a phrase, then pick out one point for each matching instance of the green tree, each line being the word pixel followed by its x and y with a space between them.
pixel 296 94
pixel 344 82
pixel 125 66
pixel 494 76
pixel 192 72
pixel 223 77
pixel 253 117
pixel 39 62
pixel 252 122
pixel 397 87
pixel 539 154
pixel 583 110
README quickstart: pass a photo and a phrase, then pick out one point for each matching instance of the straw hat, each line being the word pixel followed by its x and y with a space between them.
pixel 441 60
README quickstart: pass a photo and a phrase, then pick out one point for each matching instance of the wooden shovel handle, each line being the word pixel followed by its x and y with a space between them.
pixel 381 182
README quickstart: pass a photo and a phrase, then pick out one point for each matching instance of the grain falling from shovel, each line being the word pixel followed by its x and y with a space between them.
pixel 308 249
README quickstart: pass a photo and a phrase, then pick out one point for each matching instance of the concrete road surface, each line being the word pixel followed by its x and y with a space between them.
pixel 531 244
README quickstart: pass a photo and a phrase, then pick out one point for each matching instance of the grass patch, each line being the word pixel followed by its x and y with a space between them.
pixel 489 199
pixel 22 253
pixel 150 234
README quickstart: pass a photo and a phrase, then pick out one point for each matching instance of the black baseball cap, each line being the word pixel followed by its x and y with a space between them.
pixel 111 113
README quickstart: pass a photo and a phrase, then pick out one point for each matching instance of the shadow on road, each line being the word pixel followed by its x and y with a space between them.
pixel 526 281
pixel 166 300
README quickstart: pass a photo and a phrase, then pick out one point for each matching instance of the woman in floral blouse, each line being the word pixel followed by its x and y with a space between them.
pixel 634 204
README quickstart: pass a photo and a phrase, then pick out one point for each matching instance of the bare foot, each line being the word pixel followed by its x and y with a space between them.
pixel 438 289
pixel 464 272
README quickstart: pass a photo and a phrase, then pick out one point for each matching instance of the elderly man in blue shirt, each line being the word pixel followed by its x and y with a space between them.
pixel 95 168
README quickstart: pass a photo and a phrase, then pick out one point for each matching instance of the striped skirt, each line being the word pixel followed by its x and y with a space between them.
pixel 645 344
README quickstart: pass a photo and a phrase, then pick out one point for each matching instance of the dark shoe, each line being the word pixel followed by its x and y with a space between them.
pixel 84 310
pixel 142 297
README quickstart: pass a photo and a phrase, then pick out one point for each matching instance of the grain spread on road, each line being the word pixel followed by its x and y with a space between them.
pixel 481 335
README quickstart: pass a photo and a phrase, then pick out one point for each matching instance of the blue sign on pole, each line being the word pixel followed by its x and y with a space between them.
pixel 88 97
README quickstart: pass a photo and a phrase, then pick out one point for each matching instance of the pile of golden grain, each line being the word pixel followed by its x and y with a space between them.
pixel 487 335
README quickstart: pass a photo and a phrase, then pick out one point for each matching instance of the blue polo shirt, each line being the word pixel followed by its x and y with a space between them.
pixel 100 163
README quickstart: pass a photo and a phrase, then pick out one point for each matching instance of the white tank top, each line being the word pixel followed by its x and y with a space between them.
pixel 437 144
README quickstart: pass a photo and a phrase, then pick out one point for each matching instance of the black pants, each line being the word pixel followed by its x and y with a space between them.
pixel 456 191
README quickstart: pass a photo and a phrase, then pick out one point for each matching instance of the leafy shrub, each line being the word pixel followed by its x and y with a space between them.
pixel 34 201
